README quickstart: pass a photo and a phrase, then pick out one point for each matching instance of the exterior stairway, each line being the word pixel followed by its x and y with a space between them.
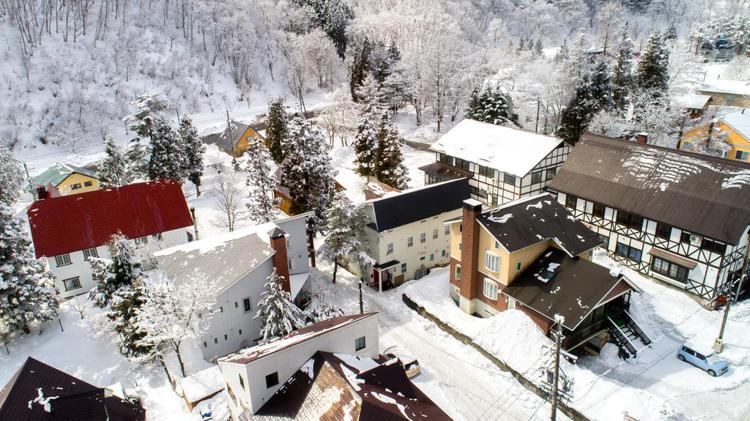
pixel 626 333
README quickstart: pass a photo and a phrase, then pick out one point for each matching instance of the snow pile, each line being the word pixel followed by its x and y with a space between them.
pixel 202 384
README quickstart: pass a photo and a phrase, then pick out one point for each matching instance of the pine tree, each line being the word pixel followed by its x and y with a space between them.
pixel 601 88
pixel 563 53
pixel 261 183
pixel 148 110
pixel 593 95
pixel 110 275
pixel 360 67
pixel 277 313
pixel 10 176
pixel 652 75
pixel 194 150
pixel 126 302
pixel 113 170
pixel 389 161
pixel 365 146
pixel 27 291
pixel 337 18
pixel 370 96
pixel 136 162
pixel 491 104
pixel 539 48
pixel 167 153
pixel 345 226
pixel 623 80
pixel 276 128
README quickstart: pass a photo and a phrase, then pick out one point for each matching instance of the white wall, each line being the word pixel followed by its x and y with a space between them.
pixel 296 248
pixel 287 361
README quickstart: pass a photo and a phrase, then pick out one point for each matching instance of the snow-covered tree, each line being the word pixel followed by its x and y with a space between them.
pixel 623 80
pixel 276 128
pixel 10 176
pixel 27 290
pixel 366 145
pixel 491 104
pixel 229 200
pixel 370 96
pixel 137 161
pixel 322 312
pixel 149 108
pixel 345 224
pixel 123 315
pixel 389 161
pixel 594 94
pixel 112 274
pixel 167 153
pixel 276 311
pixel 193 153
pixel 653 67
pixel 359 66
pixel 174 311
pixel 113 170
pixel 261 183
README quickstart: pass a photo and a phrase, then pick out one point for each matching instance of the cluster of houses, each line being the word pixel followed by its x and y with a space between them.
pixel 514 216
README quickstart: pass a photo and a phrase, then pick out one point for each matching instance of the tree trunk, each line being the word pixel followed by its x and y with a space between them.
pixel 335 268
pixel 179 359
pixel 311 247
pixel 198 190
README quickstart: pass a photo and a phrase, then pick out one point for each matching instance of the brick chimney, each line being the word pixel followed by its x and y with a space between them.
pixel 280 262
pixel 41 192
pixel 469 284
pixel 642 138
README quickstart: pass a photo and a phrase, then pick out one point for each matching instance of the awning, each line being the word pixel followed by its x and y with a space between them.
pixel 445 171
pixel 386 265
pixel 672 257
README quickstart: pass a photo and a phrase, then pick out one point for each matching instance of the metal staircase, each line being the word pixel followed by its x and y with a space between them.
pixel 626 333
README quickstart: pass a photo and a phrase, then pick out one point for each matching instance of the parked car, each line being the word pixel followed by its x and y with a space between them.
pixel 410 363
pixel 707 361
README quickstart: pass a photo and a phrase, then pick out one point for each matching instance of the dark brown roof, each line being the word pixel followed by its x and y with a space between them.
pixel 529 221
pixel 68 398
pixel 445 171
pixel 226 139
pixel 381 393
pixel 576 288
pixel 251 354
pixel 697 193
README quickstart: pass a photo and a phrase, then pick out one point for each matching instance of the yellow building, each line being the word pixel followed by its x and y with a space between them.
pixel 63 179
pixel 728 137
pixel 235 139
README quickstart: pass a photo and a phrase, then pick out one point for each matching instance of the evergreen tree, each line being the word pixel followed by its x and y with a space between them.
pixel 27 290
pixel 359 67
pixel 126 302
pixel 337 17
pixel 261 183
pixel 322 312
pixel 149 108
pixel 389 161
pixel 10 176
pixel 563 53
pixel 344 228
pixel 113 170
pixel 539 48
pixel 276 128
pixel 110 275
pixel 592 96
pixel 194 150
pixel 167 153
pixel 370 96
pixel 652 75
pixel 491 104
pixel 366 146
pixel 623 80
pixel 601 88
pixel 136 161
pixel 277 313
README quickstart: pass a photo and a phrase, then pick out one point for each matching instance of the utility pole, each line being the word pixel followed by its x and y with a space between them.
pixel 556 376
pixel 536 127
pixel 555 383
pixel 719 342
pixel 361 304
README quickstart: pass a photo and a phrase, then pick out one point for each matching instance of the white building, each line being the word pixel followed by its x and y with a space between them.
pixel 240 262
pixel 502 164
pixel 67 230
pixel 405 234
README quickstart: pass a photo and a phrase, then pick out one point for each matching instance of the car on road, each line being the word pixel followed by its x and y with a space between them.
pixel 706 360
pixel 410 364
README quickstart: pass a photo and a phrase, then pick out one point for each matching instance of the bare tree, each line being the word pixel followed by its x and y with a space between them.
pixel 229 199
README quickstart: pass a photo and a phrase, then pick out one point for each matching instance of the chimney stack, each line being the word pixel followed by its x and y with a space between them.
pixel 280 260
pixel 642 138
pixel 41 193
pixel 469 283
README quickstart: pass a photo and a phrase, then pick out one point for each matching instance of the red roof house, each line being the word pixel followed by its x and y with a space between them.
pixel 70 223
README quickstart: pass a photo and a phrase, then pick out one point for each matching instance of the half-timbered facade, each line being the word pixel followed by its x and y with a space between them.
pixel 502 164
pixel 679 217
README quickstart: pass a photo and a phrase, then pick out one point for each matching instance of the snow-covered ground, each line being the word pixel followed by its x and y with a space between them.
pixel 653 386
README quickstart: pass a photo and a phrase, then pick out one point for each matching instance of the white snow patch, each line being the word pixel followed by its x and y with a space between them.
pixel 42 400
pixel 361 364
pixel 309 368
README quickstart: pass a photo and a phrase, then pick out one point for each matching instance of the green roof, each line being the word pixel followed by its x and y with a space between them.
pixel 57 173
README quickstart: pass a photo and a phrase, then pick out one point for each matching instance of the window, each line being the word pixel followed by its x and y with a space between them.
pixel 463 164
pixel 360 343
pixel 435 233
pixel 87 184
pixel 75 186
pixel 445 159
pixel 221 309
pixel 571 201
pixel 442 253
pixel 141 240
pixel 476 191
pixel 497 244
pixel 713 246
pixel 628 252
pixel 288 243
pixel 290 264
pixel 509 179
pixel 741 155
pixel 486 171
pixel 490 289
pixel 422 237
pixel 491 261
pixel 663 230
pixel 551 172
pixel 62 260
pixel 630 220
pixel 246 305
pixel 226 337
pixel 685 237
pixel 403 267
pixel 156 237
pixel 447 230
pixel 669 269
pixel 458 272
pixel 432 256
pixel 236 305
pixel 536 177
pixel 205 344
pixel 604 239
pixel 71 283
pixel 599 210
pixel 409 241
pixel 518 266
pixel 272 379
pixel 216 340
pixel 240 331
pixel 389 248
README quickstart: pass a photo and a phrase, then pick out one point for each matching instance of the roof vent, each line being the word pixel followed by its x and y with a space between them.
pixel 548 272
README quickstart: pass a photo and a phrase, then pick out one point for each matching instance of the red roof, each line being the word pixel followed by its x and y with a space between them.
pixel 71 223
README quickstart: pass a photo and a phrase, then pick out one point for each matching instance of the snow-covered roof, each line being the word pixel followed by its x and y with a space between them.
pixel 693 101
pixel 740 122
pixel 508 150
pixel 60 171
pixel 225 258
pixel 725 86
pixel 202 384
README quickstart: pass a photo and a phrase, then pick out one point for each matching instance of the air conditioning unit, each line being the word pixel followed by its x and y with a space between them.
pixel 695 239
